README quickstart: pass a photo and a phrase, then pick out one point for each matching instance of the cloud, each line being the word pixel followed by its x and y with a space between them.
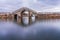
pixel 38 5
pixel 46 5
pixel 54 9
pixel 9 5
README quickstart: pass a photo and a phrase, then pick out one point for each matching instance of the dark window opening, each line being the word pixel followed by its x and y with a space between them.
pixel 15 17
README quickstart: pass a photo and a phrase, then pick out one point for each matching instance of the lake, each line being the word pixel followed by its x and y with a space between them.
pixel 40 30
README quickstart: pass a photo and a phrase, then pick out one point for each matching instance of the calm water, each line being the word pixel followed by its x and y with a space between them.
pixel 40 30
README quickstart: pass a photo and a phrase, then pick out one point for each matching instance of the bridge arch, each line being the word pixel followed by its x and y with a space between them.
pixel 25 12
pixel 25 16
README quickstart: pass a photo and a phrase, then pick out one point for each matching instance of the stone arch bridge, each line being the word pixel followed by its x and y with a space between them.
pixel 19 14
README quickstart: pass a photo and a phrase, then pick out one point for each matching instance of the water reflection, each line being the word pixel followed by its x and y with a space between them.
pixel 26 21
pixel 41 30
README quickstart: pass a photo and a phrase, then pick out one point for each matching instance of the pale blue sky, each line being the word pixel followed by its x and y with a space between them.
pixel 38 5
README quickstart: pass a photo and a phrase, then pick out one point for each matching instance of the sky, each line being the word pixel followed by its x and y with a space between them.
pixel 38 5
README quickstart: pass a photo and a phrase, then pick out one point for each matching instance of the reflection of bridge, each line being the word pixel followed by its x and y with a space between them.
pixel 24 12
